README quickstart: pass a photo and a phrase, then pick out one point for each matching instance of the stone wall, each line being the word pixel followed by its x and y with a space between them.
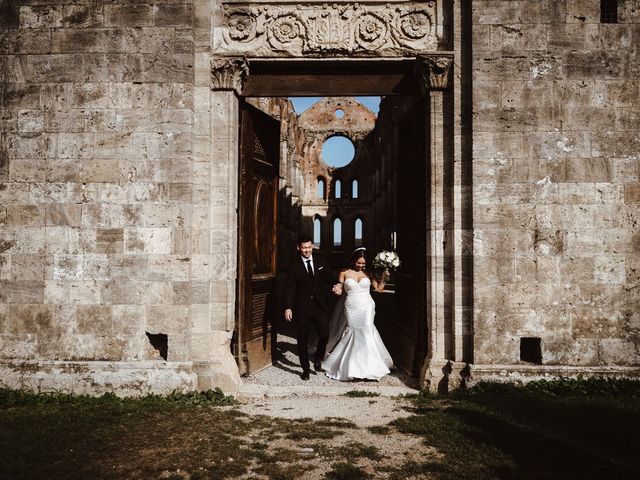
pixel 556 191
pixel 104 231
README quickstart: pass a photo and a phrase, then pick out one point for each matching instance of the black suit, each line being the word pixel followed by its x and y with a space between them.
pixel 308 298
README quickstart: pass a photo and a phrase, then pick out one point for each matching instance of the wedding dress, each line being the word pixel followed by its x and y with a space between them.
pixel 360 352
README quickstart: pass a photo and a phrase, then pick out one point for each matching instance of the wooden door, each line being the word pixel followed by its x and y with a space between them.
pixel 259 157
pixel 408 342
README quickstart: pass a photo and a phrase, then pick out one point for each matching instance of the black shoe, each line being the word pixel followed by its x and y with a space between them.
pixel 305 375
pixel 318 367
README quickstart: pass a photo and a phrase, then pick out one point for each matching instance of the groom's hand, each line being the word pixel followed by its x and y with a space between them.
pixel 288 314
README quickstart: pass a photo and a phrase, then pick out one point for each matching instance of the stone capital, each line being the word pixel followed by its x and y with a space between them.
pixel 433 71
pixel 229 73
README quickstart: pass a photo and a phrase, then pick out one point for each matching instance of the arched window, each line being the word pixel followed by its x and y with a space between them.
pixel 337 232
pixel 357 232
pixel 354 188
pixel 321 188
pixel 337 189
pixel 317 231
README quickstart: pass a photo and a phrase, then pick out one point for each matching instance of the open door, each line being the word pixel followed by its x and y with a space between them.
pixel 408 337
pixel 256 298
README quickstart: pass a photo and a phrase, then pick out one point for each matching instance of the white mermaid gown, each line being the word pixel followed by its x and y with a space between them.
pixel 360 353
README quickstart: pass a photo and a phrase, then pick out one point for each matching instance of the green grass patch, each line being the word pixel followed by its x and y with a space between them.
pixel 563 429
pixel 360 394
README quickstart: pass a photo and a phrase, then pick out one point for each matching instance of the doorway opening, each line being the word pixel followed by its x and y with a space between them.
pixel 377 199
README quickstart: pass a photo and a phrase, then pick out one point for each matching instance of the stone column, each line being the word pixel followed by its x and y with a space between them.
pixel 214 362
pixel 433 72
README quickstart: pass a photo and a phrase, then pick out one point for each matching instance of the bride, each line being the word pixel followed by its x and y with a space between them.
pixel 359 353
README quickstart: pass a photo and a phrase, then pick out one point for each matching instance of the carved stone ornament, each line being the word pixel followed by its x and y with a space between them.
pixel 229 73
pixel 433 71
pixel 370 29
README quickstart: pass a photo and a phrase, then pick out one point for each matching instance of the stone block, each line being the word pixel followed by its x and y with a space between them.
pixel 174 15
pixel 150 40
pixel 128 15
pixel 94 319
pixel 632 193
pixel 169 267
pixel 168 319
pixel 112 67
pixel 519 37
pixel 129 319
pixel 110 240
pixel 85 292
pixel 615 351
pixel 41 16
pixel 167 68
pixel 129 266
pixel 21 95
pixel 29 319
pixel 597 322
pixel 112 145
pixel 5 267
pixel 200 319
pixel 583 11
pixel 96 267
pixel 22 291
pixel 148 240
pixel 609 270
pixel 63 214
pixel 103 40
pixel 30 215
pixel 67 267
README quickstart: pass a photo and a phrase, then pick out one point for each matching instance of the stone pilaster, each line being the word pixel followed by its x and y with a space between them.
pixel 212 353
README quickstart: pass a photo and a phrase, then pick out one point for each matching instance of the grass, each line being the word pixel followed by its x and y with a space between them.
pixel 360 394
pixel 569 429
pixel 553 430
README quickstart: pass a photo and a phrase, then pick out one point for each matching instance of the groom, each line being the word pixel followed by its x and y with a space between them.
pixel 307 291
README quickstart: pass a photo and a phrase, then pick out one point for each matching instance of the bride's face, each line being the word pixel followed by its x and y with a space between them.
pixel 361 263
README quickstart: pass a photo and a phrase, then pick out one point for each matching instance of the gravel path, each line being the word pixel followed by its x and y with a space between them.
pixel 283 379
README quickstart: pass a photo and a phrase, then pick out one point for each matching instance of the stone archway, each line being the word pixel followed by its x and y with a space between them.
pixel 316 47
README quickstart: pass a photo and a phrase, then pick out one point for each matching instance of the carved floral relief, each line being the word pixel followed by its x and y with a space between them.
pixel 284 29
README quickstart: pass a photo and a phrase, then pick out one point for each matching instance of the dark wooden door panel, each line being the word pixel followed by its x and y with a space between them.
pixel 259 157
pixel 408 344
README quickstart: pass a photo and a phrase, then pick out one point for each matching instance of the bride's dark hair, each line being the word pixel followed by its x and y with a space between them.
pixel 358 253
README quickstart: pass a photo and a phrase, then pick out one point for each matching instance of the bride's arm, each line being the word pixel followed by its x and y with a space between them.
pixel 378 285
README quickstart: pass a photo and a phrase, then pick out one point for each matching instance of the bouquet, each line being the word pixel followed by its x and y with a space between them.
pixel 386 259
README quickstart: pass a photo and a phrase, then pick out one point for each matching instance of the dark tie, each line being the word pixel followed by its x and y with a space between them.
pixel 309 269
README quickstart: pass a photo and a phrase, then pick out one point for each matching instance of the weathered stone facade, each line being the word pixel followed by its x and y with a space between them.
pixel 556 211
pixel 118 181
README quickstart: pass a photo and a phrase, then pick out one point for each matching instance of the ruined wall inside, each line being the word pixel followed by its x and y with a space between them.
pixel 556 190
pixel 102 233
pixel 338 116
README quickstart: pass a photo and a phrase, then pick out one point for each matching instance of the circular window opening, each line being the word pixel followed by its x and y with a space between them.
pixel 339 113
pixel 338 151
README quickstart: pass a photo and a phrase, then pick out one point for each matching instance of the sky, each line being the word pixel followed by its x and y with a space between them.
pixel 300 104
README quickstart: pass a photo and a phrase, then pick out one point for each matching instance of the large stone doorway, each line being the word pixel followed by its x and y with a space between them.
pixel 298 51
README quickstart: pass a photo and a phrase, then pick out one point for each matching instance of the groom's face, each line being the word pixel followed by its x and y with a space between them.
pixel 306 249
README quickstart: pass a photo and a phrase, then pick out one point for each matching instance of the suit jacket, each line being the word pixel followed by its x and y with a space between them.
pixel 304 296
